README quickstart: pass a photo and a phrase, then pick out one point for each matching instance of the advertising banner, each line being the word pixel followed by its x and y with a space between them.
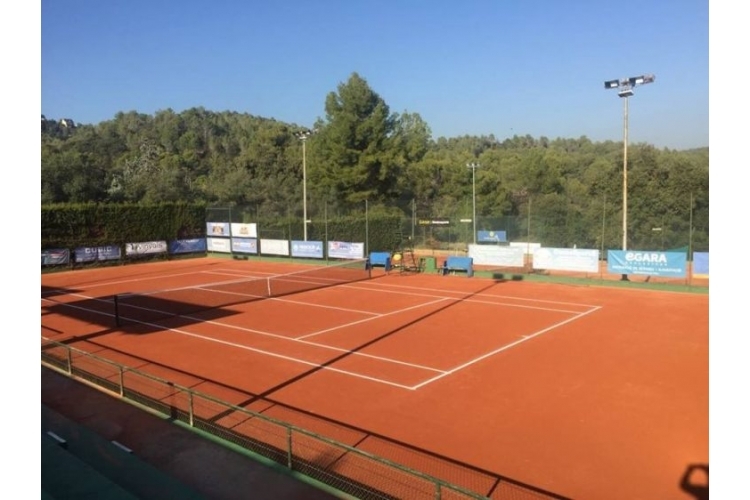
pixel 667 264
pixel 274 247
pixel 311 249
pixel 245 230
pixel 346 250
pixel 195 245
pixel 567 259
pixel 434 222
pixel 55 256
pixel 528 248
pixel 217 229
pixel 700 263
pixel 244 245
pixel 218 245
pixel 145 248
pixel 92 254
pixel 492 255
pixel 491 237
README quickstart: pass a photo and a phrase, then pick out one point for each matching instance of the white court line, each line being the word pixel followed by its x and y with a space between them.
pixel 398 311
pixel 300 339
pixel 482 294
pixel 501 349
pixel 138 280
pixel 253 349
pixel 467 298
pixel 249 330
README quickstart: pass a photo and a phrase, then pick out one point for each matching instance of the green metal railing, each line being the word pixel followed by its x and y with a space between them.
pixel 350 470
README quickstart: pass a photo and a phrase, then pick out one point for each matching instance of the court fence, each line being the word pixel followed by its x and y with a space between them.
pixel 550 221
pixel 350 470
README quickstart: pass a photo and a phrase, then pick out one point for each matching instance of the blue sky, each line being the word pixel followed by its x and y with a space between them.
pixel 477 67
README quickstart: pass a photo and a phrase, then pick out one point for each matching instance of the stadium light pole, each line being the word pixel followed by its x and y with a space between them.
pixel 474 166
pixel 303 135
pixel 626 86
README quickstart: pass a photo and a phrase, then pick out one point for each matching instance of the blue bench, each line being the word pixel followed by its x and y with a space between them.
pixel 455 263
pixel 380 259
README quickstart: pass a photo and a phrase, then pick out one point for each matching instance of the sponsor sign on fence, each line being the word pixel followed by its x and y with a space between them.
pixel 493 255
pixel 145 248
pixel 92 254
pixel 491 237
pixel 700 263
pixel 567 259
pixel 667 264
pixel 55 256
pixel 218 245
pixel 274 247
pixel 311 249
pixel 346 250
pixel 249 230
pixel 528 248
pixel 217 229
pixel 244 245
pixel 195 245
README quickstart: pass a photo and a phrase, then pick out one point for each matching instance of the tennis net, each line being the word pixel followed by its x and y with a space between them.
pixel 160 304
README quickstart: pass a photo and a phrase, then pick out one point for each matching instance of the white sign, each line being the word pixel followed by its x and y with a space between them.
pixel 567 259
pixel 274 247
pixel 218 245
pixel 495 255
pixel 245 230
pixel 145 247
pixel 529 248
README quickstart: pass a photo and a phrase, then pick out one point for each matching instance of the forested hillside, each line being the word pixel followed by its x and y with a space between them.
pixel 363 151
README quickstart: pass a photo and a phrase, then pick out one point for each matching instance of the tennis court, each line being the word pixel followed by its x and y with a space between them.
pixel 585 392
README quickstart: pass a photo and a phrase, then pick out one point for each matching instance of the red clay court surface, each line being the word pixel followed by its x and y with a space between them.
pixel 589 392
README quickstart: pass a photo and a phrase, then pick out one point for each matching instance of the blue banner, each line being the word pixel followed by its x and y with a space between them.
pixel 195 245
pixel 312 249
pixel 700 263
pixel 55 256
pixel 667 264
pixel 245 245
pixel 92 254
pixel 491 237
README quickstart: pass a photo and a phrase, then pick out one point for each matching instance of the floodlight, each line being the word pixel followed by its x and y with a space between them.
pixel 626 90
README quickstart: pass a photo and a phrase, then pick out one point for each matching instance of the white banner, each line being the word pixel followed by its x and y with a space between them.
pixel 567 259
pixel 346 250
pixel 145 248
pixel 218 245
pixel 245 230
pixel 495 255
pixel 274 247
pixel 528 248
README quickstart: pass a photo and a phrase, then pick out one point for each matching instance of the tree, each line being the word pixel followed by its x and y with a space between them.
pixel 353 158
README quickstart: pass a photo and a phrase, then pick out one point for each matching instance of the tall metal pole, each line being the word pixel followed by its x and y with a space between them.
pixel 626 90
pixel 304 187
pixel 625 177
pixel 473 166
pixel 303 135
pixel 625 182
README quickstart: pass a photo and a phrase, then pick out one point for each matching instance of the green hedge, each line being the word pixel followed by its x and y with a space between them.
pixel 76 225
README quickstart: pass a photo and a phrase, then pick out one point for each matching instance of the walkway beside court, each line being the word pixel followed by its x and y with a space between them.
pixel 185 458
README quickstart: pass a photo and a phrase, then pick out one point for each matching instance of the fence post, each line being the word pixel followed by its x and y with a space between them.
pixel 289 448
pixel 190 408
pixel 70 362
pixel 122 381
